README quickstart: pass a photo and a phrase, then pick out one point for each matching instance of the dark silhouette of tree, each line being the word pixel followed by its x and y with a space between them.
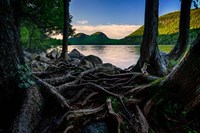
pixel 183 82
pixel 196 3
pixel 150 57
pixel 15 82
pixel 10 58
pixel 46 14
pixel 64 54
pixel 184 29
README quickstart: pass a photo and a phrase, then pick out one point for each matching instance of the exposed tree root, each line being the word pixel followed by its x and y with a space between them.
pixel 53 92
pixel 84 93
pixel 115 116
pixel 30 113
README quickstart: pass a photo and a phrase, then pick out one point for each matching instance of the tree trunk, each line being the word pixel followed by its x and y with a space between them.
pixel 184 29
pixel 150 54
pixel 13 72
pixel 64 54
pixel 183 83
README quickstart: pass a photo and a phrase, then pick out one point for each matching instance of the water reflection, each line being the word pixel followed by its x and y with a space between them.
pixel 121 56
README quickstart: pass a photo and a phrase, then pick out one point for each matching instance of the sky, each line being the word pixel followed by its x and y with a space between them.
pixel 116 18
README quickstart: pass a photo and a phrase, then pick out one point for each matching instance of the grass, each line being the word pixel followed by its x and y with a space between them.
pixel 165 48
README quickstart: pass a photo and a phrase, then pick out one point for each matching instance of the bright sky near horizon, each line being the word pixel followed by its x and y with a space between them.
pixel 116 18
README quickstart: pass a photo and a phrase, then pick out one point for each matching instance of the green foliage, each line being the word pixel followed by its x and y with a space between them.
pixel 39 19
pixel 168 29
pixel 24 73
pixel 40 42
pixel 169 23
pixel 157 81
pixel 115 103
pixel 46 14
pixel 165 48
pixel 35 40
pixel 172 63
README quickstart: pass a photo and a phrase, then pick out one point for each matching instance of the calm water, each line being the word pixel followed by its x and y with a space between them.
pixel 121 56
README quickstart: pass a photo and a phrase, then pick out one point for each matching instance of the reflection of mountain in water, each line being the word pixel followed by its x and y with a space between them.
pixel 99 48
pixel 122 56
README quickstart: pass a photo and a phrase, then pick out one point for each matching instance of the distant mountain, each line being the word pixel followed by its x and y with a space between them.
pixel 168 32
pixel 81 35
pixel 98 38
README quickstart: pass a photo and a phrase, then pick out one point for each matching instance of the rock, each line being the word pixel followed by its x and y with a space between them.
pixel 99 127
pixel 38 66
pixel 75 54
pixel 109 65
pixel 90 61
pixel 86 64
pixel 75 61
pixel 93 59
pixel 27 60
pixel 34 64
pixel 27 54
pixel 43 54
pixel 43 59
pixel 53 54
pixel 109 68
pixel 34 56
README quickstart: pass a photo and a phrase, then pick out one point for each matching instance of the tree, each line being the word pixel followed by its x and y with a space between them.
pixel 184 28
pixel 45 16
pixel 15 82
pixel 41 12
pixel 149 53
pixel 64 54
pixel 196 3
pixel 184 81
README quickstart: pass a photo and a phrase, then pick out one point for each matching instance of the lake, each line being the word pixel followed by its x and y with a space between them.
pixel 121 56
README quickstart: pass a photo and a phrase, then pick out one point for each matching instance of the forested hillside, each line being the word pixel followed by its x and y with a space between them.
pixel 168 28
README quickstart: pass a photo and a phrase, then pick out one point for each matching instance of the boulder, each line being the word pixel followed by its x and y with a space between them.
pixel 53 54
pixel 75 54
pixel 75 61
pixel 27 60
pixel 43 54
pixel 109 68
pixel 99 127
pixel 90 61
pixel 93 59
pixel 42 57
pixel 34 56
pixel 27 54
pixel 86 64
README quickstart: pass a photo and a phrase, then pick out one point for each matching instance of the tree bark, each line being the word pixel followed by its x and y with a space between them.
pixel 184 29
pixel 12 69
pixel 150 54
pixel 64 54
pixel 183 83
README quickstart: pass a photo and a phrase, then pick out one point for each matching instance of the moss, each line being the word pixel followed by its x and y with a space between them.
pixel 157 82
pixel 172 63
pixel 24 74
pixel 115 103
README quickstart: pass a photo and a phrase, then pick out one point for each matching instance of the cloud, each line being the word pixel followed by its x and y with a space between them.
pixel 82 22
pixel 111 30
